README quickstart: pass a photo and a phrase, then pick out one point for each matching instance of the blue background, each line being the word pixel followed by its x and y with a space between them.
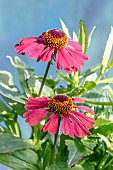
pixel 26 18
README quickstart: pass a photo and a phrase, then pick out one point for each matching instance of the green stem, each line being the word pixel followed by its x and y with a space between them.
pixel 43 81
pixel 54 146
pixel 35 133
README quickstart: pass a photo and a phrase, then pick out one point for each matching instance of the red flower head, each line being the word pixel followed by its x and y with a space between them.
pixel 73 122
pixel 54 42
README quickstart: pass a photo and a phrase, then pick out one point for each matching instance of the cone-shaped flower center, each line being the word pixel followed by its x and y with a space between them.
pixel 55 38
pixel 61 104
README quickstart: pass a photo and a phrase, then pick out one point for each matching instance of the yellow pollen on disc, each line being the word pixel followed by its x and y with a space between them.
pixel 60 104
pixel 55 41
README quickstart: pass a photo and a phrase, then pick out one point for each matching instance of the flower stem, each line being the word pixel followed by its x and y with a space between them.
pixel 43 81
pixel 39 94
pixel 54 146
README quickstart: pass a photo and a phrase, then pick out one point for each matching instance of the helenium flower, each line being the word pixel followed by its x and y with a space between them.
pixel 63 108
pixel 68 53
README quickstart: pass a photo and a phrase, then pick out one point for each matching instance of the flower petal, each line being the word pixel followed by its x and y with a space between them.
pixel 27 43
pixel 75 45
pixel 36 103
pixel 80 129
pixel 76 54
pixel 35 116
pixel 64 59
pixel 77 100
pixel 86 121
pixel 52 125
pixel 87 109
pixel 46 55
pixel 67 127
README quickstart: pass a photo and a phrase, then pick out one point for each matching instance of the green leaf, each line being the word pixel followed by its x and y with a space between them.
pixel 106 81
pixel 78 167
pixel 101 122
pixel 27 155
pixel 3 108
pixel 63 76
pixel 58 166
pixel 105 130
pixel 83 37
pixel 35 84
pixel 89 85
pixel 110 64
pixel 6 81
pixel 76 151
pixel 90 71
pixel 24 72
pixel 64 28
pixel 47 156
pixel 14 96
pixel 105 139
pixel 15 163
pixel 10 143
pixel 107 52
pixel 88 143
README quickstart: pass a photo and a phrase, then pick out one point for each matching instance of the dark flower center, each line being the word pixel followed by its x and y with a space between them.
pixel 55 38
pixel 61 104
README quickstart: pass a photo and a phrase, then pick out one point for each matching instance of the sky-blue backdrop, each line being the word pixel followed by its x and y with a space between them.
pixel 26 18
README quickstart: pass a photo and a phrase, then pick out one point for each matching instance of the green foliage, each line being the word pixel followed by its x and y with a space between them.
pixel 94 152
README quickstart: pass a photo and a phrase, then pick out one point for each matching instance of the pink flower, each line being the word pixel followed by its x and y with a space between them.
pixel 72 121
pixel 54 44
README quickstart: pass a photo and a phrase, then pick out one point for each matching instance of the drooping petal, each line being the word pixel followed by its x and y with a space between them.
pixel 88 122
pixel 34 51
pixel 85 108
pixel 27 44
pixel 72 69
pixel 36 103
pixel 80 129
pixel 35 116
pixel 64 59
pixel 52 125
pixel 46 55
pixel 75 45
pixel 67 127
pixel 77 100
pixel 76 53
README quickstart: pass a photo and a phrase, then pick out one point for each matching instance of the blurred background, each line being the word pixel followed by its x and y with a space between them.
pixel 19 19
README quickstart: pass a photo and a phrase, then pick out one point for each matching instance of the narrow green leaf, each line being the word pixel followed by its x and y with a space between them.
pixel 66 78
pixel 105 139
pixel 90 35
pixel 10 143
pixel 75 38
pixel 106 81
pixel 90 71
pixel 107 52
pixel 83 36
pixel 64 28
pixel 110 64
pixel 47 156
